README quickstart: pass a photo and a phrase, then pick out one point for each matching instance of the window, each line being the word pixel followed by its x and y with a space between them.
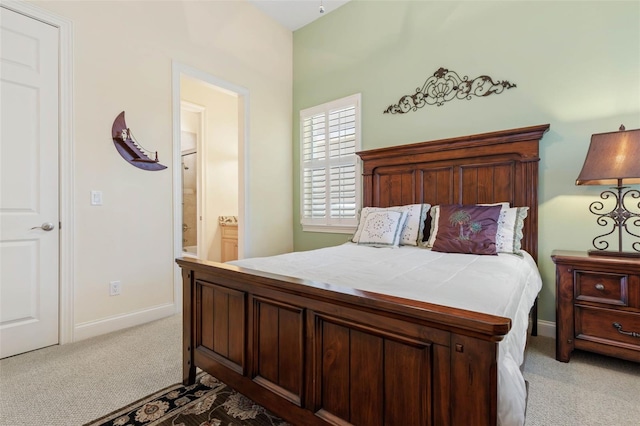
pixel 329 167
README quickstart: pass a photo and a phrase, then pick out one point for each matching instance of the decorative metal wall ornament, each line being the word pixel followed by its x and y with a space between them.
pixel 131 150
pixel 445 85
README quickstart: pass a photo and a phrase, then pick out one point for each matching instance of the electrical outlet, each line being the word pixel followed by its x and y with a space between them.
pixel 115 287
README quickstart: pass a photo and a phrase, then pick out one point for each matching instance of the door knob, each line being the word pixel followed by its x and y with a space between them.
pixel 47 226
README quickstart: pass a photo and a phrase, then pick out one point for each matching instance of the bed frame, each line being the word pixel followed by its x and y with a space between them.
pixel 315 353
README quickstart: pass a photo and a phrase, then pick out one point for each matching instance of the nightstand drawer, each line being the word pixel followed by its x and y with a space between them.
pixel 597 325
pixel 610 289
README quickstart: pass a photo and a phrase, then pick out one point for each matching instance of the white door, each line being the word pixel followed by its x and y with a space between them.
pixel 29 231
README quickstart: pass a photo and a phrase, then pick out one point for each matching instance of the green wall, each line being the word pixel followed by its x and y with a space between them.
pixel 576 66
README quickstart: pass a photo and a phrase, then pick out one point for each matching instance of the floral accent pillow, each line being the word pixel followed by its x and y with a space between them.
pixel 431 222
pixel 413 228
pixel 382 228
pixel 467 229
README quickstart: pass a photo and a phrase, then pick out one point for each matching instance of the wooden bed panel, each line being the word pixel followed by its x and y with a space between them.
pixel 396 188
pixel 441 371
pixel 277 354
pixel 487 183
pixel 220 326
pixel 236 320
pixel 291 360
pixel 436 184
pixel 367 381
pixel 318 354
pixel 408 384
pixel 481 365
pixel 371 378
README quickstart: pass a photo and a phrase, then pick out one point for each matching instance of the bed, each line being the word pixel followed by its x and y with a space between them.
pixel 321 351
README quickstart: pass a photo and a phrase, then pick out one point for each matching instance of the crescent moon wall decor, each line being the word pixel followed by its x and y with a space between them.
pixel 445 85
pixel 130 149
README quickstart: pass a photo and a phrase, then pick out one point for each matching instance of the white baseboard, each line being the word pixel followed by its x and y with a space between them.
pixel 546 328
pixel 107 325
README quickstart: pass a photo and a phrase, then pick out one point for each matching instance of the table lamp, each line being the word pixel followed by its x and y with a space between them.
pixel 614 159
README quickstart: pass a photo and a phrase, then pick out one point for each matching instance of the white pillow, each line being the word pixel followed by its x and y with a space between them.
pixel 510 224
pixel 413 228
pixel 435 215
pixel 362 217
pixel 382 228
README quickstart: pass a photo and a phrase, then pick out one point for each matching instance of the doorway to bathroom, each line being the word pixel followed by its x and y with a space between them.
pixel 210 128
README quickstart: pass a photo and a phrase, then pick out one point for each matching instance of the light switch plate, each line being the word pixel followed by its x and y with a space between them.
pixel 96 198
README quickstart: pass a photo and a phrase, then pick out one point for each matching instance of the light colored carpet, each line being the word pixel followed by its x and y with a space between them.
pixel 73 384
pixel 589 390
pixel 76 383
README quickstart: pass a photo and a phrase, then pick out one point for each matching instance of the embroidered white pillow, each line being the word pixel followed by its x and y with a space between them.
pixel 361 219
pixel 510 225
pixel 382 228
pixel 414 223
pixel 413 228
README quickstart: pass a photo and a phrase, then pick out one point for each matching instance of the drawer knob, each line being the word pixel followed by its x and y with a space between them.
pixel 600 286
pixel 618 327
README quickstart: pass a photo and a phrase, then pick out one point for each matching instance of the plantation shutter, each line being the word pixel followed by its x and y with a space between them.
pixel 330 181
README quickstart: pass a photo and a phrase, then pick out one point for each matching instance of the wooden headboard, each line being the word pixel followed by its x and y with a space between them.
pixel 484 168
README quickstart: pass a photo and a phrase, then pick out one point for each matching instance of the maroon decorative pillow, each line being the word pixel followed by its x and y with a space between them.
pixel 467 229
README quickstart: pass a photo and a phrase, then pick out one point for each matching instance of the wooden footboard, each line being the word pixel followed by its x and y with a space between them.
pixel 319 354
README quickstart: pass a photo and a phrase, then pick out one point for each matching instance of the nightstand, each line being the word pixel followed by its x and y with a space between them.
pixel 597 305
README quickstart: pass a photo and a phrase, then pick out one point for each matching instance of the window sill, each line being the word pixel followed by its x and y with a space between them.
pixel 329 229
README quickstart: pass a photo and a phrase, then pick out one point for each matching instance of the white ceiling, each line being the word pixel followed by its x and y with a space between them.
pixel 295 14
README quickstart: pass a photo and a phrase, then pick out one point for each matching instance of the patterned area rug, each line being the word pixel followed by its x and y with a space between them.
pixel 208 402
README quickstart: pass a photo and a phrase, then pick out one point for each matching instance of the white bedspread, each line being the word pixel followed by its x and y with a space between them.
pixel 504 285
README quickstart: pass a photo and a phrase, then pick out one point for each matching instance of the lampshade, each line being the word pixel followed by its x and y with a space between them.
pixel 613 159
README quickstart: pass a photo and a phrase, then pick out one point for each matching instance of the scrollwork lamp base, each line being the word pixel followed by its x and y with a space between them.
pixel 620 218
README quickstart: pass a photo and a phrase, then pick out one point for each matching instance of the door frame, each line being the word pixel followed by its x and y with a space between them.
pixel 179 69
pixel 201 172
pixel 66 278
